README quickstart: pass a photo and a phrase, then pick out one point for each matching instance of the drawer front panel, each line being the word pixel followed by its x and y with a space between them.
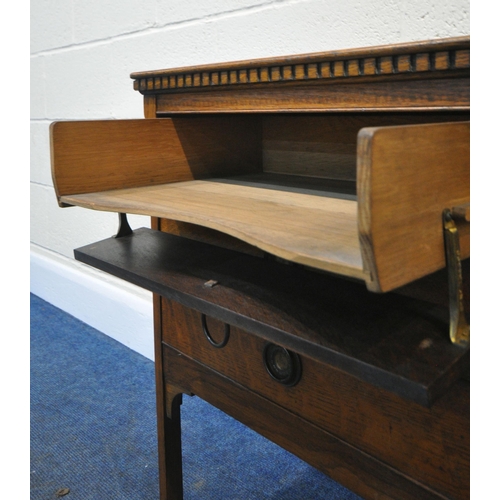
pixel 371 419
pixel 363 474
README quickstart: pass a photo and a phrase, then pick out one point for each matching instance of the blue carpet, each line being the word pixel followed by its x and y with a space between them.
pixel 93 429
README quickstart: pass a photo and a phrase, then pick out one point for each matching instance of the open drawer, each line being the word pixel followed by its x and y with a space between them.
pixel 357 195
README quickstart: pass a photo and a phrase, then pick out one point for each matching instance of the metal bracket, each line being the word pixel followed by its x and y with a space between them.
pixel 459 325
pixel 123 229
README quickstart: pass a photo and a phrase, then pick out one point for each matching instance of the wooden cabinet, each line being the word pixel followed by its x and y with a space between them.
pixel 285 195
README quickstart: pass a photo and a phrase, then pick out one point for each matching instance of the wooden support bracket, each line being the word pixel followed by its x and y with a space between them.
pixel 124 228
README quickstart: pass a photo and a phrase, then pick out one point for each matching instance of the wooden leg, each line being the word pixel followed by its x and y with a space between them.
pixel 171 472
pixel 168 408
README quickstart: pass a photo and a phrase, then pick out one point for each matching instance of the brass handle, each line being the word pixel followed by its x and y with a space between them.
pixel 220 344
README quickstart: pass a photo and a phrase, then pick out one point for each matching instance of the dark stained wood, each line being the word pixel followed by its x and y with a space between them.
pixel 360 471
pixel 168 420
pixel 372 422
pixel 171 476
pixel 431 287
pixel 163 427
pixel 325 145
pixel 378 338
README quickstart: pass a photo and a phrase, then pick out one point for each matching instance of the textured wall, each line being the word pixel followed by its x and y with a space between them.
pixel 84 51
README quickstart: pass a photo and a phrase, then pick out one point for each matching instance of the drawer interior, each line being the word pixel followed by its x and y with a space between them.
pixel 325 145
pixel 300 187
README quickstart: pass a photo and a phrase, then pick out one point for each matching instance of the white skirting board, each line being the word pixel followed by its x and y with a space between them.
pixel 118 309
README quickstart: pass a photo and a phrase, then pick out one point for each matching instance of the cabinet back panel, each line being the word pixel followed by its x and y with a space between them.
pixel 325 145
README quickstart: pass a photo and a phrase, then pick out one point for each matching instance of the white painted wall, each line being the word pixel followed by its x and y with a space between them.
pixel 82 53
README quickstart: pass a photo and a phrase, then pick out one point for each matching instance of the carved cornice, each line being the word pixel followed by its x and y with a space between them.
pixel 437 57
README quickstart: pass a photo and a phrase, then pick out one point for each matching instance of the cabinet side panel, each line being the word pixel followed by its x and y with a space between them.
pixel 94 156
pixel 406 177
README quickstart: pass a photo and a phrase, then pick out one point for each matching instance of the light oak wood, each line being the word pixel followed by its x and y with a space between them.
pixel 89 156
pixel 444 59
pixel 452 53
pixel 414 95
pixel 315 230
pixel 407 176
pixel 150 106
pixel 426 75
pixel 207 235
pixel 320 146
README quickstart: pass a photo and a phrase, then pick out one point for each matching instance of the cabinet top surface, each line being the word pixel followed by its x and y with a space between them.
pixel 425 60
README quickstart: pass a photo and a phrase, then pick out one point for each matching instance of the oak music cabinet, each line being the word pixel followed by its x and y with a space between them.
pixel 308 255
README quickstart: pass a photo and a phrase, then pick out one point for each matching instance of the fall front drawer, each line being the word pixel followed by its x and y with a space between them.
pixel 355 195
pixel 373 420
pixel 388 340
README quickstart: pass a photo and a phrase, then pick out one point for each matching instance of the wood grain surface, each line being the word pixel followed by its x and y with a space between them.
pixel 421 443
pixel 406 177
pixel 382 405
pixel 384 339
pixel 318 231
pixel 89 156
pixel 428 55
pixel 398 94
pixel 325 145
